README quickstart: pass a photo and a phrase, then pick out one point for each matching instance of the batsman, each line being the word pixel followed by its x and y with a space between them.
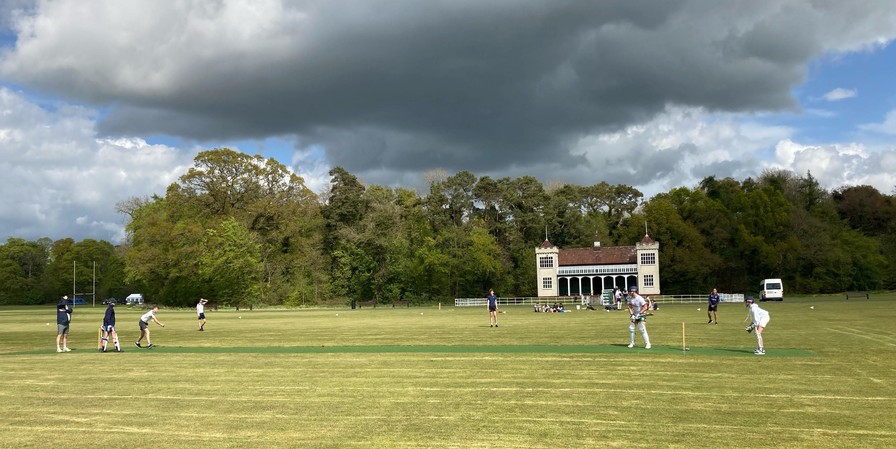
pixel 759 320
pixel 637 309
pixel 109 328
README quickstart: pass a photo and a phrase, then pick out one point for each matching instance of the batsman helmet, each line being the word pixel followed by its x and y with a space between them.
pixel 633 288
pixel 749 300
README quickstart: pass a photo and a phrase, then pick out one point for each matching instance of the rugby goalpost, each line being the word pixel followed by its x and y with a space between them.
pixel 75 284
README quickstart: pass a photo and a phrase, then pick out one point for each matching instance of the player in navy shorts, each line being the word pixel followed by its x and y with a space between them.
pixel 492 301
pixel 711 309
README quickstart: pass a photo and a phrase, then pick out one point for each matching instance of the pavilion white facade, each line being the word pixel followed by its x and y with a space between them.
pixel 588 271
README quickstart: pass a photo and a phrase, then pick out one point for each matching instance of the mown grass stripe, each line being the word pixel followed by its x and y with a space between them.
pixel 452 349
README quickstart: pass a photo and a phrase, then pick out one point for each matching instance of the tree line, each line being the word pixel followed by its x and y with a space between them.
pixel 246 230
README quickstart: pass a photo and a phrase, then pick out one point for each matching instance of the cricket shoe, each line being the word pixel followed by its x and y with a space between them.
pixel 631 345
pixel 647 346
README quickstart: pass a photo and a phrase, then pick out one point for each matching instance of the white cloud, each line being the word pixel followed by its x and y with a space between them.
pixel 840 94
pixel 679 148
pixel 309 164
pixel 837 165
pixel 888 126
pixel 61 181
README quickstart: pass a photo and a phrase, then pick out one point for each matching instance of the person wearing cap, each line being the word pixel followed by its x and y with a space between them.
pixel 637 309
pixel 713 307
pixel 109 328
pixel 759 320
pixel 200 310
pixel 63 320
pixel 617 297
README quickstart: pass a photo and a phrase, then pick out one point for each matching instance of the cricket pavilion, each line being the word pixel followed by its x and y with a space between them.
pixel 589 271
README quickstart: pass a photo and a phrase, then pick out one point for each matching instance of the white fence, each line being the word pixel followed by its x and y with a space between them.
pixel 673 299
pixel 595 300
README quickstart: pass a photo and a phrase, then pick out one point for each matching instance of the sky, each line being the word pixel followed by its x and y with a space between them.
pixel 108 100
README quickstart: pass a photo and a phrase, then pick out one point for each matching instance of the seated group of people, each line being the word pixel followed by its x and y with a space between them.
pixel 548 308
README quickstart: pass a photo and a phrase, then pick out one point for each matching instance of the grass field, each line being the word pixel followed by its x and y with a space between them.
pixel 430 378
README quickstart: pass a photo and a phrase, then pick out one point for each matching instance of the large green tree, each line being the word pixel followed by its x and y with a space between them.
pixel 169 236
pixel 22 265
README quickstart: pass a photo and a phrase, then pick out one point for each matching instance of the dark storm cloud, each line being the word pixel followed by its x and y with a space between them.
pixel 460 85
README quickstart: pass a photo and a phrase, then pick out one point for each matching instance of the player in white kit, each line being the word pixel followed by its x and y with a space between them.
pixel 200 312
pixel 759 320
pixel 637 309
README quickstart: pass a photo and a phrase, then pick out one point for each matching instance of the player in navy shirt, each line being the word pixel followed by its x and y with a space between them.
pixel 63 320
pixel 711 309
pixel 492 302
pixel 109 328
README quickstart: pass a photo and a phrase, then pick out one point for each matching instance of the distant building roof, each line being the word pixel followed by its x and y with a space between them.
pixel 647 239
pixel 546 244
pixel 597 256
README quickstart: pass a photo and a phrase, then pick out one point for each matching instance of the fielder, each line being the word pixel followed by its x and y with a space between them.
pixel 144 327
pixel 200 310
pixel 617 297
pixel 109 328
pixel 759 320
pixel 713 307
pixel 492 303
pixel 63 321
pixel 637 308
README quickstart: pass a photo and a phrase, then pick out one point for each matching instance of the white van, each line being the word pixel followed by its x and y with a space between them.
pixel 771 290
pixel 134 299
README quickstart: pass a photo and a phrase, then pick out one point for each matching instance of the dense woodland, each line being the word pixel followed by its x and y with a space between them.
pixel 245 230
